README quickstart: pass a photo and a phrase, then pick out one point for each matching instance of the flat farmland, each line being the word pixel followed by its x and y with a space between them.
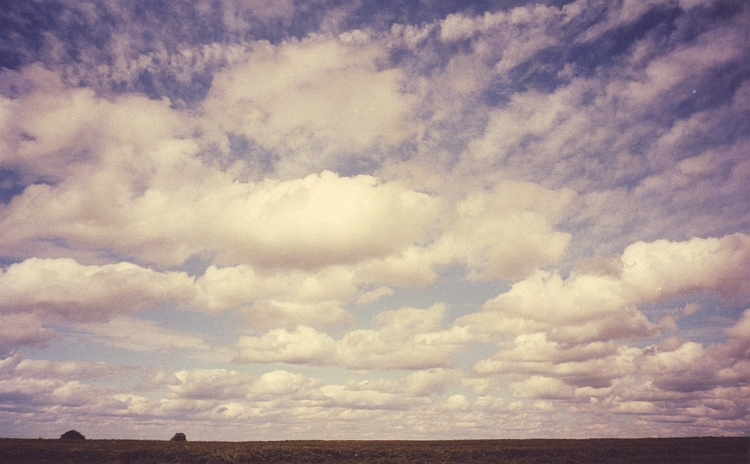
pixel 713 450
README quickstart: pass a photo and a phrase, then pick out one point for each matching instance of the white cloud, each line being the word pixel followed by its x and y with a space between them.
pixel 275 383
pixel 18 366
pixel 589 307
pixel 53 388
pixel 213 384
pixel 688 366
pixel 410 34
pixel 501 152
pixel 661 269
pixel 456 27
pixel 139 335
pixel 374 295
pixel 323 219
pixel 507 233
pixel 430 381
pixel 303 345
pixel 566 330
pixel 65 288
pixel 542 387
pixel 120 193
pixel 739 337
pixel 342 397
pixel 23 329
pixel 504 233
pixel 594 365
pixel 53 129
pixel 279 298
pixel 537 123
pixel 312 100
pixel 407 338
pixel 42 291
pixel 306 223
pixel 686 64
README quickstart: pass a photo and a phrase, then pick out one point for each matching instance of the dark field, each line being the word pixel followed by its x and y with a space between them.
pixel 656 450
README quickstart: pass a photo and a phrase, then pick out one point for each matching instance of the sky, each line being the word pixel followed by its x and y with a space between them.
pixel 416 219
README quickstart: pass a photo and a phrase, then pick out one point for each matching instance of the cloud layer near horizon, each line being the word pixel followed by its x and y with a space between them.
pixel 427 222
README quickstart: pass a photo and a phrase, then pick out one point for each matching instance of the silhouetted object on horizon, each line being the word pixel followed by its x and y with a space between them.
pixel 72 435
pixel 178 437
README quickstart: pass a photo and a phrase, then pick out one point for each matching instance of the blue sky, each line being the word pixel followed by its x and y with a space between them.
pixel 368 220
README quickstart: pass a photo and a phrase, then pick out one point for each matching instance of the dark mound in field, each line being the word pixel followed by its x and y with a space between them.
pixel 72 435
pixel 178 437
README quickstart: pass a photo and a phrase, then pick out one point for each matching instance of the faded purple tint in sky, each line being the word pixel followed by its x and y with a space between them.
pixel 248 219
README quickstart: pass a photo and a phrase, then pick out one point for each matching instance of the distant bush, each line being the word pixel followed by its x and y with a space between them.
pixel 178 437
pixel 72 435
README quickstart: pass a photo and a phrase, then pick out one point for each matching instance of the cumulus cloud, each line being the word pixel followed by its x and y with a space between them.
pixel 280 395
pixel 326 219
pixel 407 338
pixel 121 197
pixel 595 365
pixel 661 269
pixel 542 387
pixel 319 96
pixel 43 291
pixel 591 306
pixel 320 220
pixel 23 329
pixel 303 345
pixel 130 146
pixel 507 233
pixel 53 129
pixel 687 367
pixel 65 288
pixel 16 365
pixel 28 385
pixel 283 298
pixel 559 336
pixel 442 223
pixel 139 335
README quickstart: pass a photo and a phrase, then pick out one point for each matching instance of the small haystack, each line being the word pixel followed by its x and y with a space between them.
pixel 178 437
pixel 72 435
